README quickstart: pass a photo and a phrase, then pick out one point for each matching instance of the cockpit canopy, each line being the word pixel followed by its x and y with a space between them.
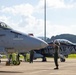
pixel 4 26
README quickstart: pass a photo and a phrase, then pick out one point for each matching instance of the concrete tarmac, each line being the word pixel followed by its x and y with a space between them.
pixel 40 68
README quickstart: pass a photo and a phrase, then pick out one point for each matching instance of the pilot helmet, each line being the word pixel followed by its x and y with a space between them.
pixel 57 42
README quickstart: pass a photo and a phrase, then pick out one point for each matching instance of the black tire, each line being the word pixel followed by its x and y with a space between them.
pixel 44 59
pixel 62 60
pixel 0 61
pixel 14 62
pixel 7 63
pixel 18 62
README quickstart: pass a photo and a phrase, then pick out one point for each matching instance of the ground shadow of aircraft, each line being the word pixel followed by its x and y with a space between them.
pixel 10 72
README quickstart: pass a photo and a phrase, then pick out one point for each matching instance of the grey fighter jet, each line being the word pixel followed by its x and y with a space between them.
pixel 13 41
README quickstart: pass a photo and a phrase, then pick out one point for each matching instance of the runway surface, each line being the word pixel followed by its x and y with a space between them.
pixel 40 68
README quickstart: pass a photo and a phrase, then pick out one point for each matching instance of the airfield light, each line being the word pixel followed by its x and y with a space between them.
pixel 45 20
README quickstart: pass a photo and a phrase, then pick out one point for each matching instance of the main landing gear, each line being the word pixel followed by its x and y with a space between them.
pixel 13 59
pixel 44 59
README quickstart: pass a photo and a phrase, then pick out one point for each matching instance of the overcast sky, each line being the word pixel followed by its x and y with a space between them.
pixel 27 16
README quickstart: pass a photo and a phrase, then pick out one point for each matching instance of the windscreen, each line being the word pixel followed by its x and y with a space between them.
pixel 3 25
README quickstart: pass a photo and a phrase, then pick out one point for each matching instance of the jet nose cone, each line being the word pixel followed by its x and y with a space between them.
pixel 44 44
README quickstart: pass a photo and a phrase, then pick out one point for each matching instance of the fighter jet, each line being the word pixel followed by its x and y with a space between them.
pixel 13 41
pixel 64 41
pixel 66 47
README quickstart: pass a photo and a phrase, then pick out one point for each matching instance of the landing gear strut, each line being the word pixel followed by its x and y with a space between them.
pixel 13 59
